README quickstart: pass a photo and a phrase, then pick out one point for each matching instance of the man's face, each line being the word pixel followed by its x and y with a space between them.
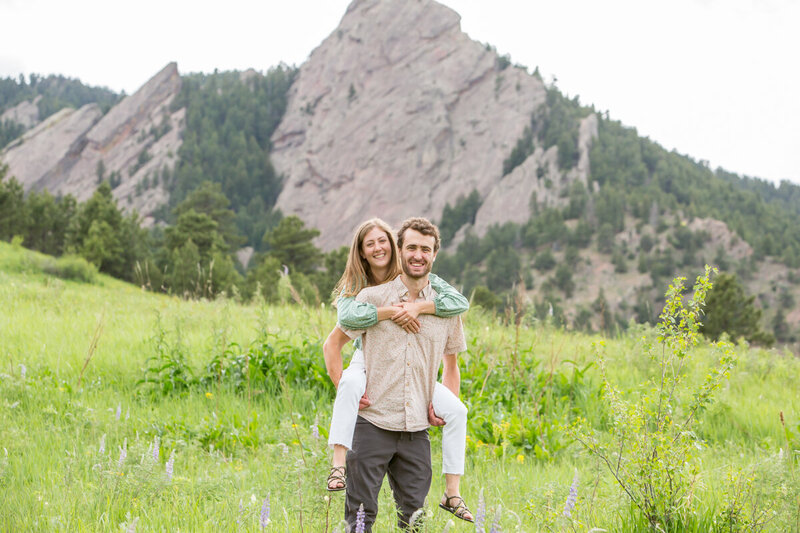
pixel 417 254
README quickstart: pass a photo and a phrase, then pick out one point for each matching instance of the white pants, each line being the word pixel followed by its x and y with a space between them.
pixel 445 404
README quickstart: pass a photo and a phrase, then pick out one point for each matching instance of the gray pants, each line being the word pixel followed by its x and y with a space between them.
pixel 405 456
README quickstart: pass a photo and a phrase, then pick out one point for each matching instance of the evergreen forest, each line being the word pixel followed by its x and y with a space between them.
pixel 636 211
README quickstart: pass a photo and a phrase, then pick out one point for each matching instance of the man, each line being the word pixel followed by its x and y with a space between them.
pixel 391 433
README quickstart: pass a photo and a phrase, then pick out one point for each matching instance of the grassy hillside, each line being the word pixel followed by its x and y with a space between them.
pixel 236 395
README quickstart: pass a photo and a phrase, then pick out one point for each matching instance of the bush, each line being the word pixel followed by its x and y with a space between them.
pixel 71 267
pixel 650 447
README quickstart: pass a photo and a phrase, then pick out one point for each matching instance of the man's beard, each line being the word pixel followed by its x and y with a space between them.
pixel 407 272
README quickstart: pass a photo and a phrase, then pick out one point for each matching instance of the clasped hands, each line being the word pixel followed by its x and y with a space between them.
pixel 407 316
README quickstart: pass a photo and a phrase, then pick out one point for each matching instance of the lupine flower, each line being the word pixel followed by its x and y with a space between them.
pixel 102 449
pixel 572 499
pixel 155 448
pixel 119 411
pixel 170 464
pixel 265 513
pixel 241 513
pixel 480 514
pixel 123 454
pixel 361 516
pixel 314 431
pixel 496 523
pixel 22 371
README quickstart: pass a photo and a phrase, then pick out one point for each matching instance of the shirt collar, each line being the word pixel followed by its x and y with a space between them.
pixel 402 290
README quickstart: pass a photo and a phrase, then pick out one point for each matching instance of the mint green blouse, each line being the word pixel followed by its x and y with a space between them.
pixel 359 315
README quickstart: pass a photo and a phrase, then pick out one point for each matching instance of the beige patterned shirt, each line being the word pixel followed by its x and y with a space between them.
pixel 402 367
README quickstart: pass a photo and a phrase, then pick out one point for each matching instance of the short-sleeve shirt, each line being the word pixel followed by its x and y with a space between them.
pixel 402 367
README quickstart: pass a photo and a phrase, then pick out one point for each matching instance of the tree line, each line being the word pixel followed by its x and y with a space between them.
pixel 194 257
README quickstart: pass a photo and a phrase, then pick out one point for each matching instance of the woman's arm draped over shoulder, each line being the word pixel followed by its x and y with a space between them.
pixel 448 302
pixel 354 314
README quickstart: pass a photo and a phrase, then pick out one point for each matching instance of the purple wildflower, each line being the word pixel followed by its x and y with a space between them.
pixel 265 513
pixel 123 454
pixel 102 449
pixel 22 371
pixel 314 431
pixel 156 442
pixel 496 523
pixel 361 516
pixel 241 513
pixel 480 514
pixel 119 411
pixel 170 464
pixel 572 499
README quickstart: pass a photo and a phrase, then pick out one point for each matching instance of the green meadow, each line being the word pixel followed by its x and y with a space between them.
pixel 125 410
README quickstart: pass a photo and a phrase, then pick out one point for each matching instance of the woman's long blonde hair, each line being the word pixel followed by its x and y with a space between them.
pixel 357 272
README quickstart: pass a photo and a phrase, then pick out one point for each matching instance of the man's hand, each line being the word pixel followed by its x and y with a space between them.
pixel 406 317
pixel 432 418
pixel 364 402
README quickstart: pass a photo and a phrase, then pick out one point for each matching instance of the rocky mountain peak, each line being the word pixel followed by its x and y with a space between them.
pixel 397 113
pixel 134 141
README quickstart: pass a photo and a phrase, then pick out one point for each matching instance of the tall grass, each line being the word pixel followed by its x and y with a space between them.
pixel 234 445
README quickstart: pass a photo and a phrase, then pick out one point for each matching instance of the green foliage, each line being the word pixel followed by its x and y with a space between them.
pixel 56 93
pixel 544 261
pixel 453 218
pixel 12 206
pixel 502 268
pixel 99 233
pixel 270 364
pixel 563 279
pixel 520 152
pixel 9 130
pixel 558 123
pixel 229 122
pixel 729 310
pixel 651 179
pixel 291 243
pixel 486 298
pixel 649 447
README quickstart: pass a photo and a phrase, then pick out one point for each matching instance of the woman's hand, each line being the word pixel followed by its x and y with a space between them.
pixel 406 317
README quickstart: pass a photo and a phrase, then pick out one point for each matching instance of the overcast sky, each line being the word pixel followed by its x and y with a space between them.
pixel 715 79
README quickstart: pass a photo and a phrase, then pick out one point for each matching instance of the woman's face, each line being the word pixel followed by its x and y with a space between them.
pixel 376 248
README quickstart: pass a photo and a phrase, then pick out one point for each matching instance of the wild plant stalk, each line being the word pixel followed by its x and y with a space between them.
pixel 288 397
pixel 652 455
pixel 92 346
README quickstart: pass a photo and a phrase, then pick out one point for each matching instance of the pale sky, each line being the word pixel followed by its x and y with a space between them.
pixel 715 79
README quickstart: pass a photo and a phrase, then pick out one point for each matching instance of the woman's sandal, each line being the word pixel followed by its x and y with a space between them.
pixel 337 478
pixel 460 508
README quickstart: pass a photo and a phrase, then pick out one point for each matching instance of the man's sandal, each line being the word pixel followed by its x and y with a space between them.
pixel 460 509
pixel 337 478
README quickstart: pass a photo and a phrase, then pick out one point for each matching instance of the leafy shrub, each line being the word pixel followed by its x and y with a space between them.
pixel 650 447
pixel 71 267
pixel 268 363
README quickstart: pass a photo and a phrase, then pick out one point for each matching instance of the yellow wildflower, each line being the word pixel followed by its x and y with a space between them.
pixel 209 395
pixel 520 459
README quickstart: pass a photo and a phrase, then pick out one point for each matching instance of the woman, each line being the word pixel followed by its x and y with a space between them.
pixel 374 259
